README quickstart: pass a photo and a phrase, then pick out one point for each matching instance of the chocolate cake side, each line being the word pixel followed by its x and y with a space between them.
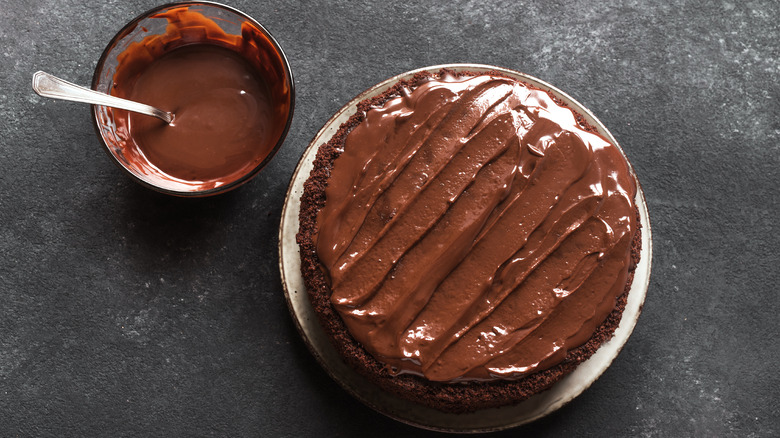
pixel 447 397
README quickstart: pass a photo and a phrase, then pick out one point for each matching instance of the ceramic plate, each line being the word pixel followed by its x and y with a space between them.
pixel 408 412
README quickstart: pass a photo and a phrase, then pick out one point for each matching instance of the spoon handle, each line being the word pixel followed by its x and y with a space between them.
pixel 51 86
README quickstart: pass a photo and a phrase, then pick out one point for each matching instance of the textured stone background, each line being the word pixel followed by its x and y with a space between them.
pixel 127 313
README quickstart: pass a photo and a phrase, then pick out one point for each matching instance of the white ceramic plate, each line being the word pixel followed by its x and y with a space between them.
pixel 417 415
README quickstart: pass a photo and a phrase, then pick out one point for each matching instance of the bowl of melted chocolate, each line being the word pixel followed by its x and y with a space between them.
pixel 224 77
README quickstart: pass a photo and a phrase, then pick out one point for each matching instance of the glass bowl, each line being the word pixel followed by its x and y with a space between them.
pixel 171 26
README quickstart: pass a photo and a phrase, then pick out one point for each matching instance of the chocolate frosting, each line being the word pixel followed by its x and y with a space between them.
pixel 473 230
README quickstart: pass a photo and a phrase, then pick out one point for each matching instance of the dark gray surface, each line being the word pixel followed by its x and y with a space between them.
pixel 128 313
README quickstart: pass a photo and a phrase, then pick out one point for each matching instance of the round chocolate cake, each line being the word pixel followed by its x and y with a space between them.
pixel 467 240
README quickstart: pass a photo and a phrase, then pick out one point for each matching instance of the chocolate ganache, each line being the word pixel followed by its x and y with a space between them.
pixel 473 230
pixel 230 98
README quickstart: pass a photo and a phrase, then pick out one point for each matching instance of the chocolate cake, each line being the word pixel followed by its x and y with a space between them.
pixel 467 240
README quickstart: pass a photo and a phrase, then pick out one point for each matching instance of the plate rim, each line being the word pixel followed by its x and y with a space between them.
pixel 288 245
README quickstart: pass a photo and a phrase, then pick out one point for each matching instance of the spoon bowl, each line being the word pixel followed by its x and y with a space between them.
pixel 48 85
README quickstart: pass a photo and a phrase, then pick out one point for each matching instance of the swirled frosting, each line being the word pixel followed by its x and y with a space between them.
pixel 472 230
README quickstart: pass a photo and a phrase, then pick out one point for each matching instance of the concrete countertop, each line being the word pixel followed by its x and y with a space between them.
pixel 124 312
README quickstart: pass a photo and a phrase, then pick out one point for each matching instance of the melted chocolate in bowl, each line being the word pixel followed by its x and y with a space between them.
pixel 219 130
pixel 222 75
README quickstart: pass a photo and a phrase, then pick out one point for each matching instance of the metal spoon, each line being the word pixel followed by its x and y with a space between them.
pixel 47 85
